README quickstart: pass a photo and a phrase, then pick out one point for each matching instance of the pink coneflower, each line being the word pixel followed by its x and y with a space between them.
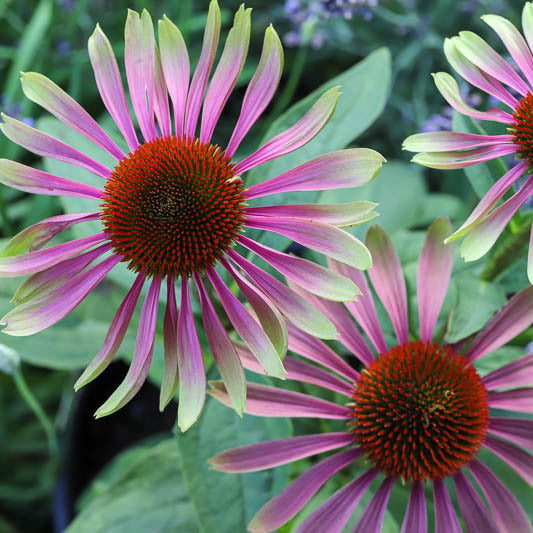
pixel 479 64
pixel 418 412
pixel 174 207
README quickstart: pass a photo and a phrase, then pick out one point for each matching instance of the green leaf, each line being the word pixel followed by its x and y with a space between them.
pixel 476 303
pixel 149 494
pixel 365 90
pixel 225 503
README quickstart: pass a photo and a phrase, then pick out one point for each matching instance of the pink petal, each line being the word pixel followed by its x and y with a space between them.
pixel 32 262
pixel 227 72
pixel 35 181
pixel 109 84
pixel 434 271
pixel 176 69
pixel 446 141
pixel 296 136
pixel 248 328
pixel 203 68
pixel 170 380
pixel 314 278
pixel 519 460
pixel 475 515
pixel 328 240
pixel 346 168
pixel 47 94
pixel 513 374
pixel 161 108
pixel 285 505
pixel 260 90
pixel 144 348
pixel 514 318
pixel 223 352
pixel 508 513
pixel 387 278
pixel 274 453
pixel 517 430
pixel 372 518
pixel 416 520
pixel 445 518
pixel 332 515
pixel 520 400
pixel 530 257
pixel 42 144
pixel 191 364
pixel 363 310
pixel 38 314
pixel 268 401
pixel 115 335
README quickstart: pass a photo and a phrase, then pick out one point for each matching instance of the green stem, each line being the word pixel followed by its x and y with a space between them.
pixel 35 406
pixel 507 253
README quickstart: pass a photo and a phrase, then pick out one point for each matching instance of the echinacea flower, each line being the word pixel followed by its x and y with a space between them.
pixel 174 206
pixel 480 65
pixel 418 411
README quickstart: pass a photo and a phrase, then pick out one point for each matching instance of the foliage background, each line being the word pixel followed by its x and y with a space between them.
pixel 132 472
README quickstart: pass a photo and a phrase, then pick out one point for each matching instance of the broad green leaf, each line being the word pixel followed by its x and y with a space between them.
pixel 150 494
pixel 225 503
pixel 476 303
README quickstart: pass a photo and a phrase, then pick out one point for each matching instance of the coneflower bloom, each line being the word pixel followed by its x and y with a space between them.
pixel 174 207
pixel 418 411
pixel 480 65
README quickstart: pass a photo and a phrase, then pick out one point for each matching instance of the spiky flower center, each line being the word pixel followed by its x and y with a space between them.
pixel 420 411
pixel 173 207
pixel 522 128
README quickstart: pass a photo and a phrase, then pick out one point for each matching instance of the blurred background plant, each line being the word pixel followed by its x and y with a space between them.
pixel 56 462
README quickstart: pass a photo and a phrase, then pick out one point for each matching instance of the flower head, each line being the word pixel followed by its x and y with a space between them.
pixel 416 410
pixel 175 205
pixel 480 65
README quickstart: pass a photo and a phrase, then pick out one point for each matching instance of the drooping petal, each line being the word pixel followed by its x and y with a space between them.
pixel 35 315
pixel 248 328
pixel 296 136
pixel 115 335
pixel 387 278
pixel 144 348
pixel 371 519
pixel 313 277
pixel 519 460
pixel 527 23
pixel 475 515
pixel 446 141
pixel 42 144
pixel 434 271
pixel 485 233
pixel 339 215
pixel 176 69
pixel 514 318
pixel 285 505
pixel 139 58
pixel 170 380
pixel 416 520
pixel 260 90
pixel 292 305
pixel 190 363
pixel 35 181
pixel 223 352
pixel 47 94
pixel 227 73
pixel 445 518
pixel 513 374
pixel 520 400
pixel 109 84
pixel 267 313
pixel 328 240
pixel 161 108
pixel 36 236
pixel 333 514
pixel 278 452
pixel 262 400
pixel 32 262
pixel 530 257
pixel 203 68
pixel 363 310
pixel 353 167
pixel 508 513
pixel 517 430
